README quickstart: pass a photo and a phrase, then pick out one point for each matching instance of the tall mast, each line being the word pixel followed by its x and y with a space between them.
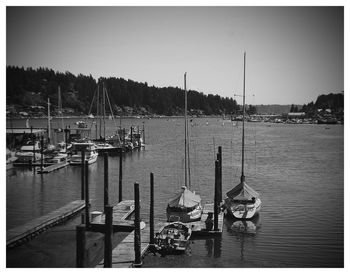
pixel 60 106
pixel 99 107
pixel 242 176
pixel 185 131
pixel 48 119
pixel 104 110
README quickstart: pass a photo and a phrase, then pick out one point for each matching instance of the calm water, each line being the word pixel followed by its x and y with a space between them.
pixel 297 169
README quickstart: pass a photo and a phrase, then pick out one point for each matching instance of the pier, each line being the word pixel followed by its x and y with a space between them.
pixel 53 167
pixel 121 212
pixel 17 235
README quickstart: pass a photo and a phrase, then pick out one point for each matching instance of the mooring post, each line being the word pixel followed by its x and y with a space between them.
pixel 137 233
pixel 82 174
pixel 33 140
pixel 131 134
pixel 121 176
pixel 216 222
pixel 143 132
pixel 105 196
pixel 42 152
pixel 87 202
pixel 220 173
pixel 151 211
pixel 65 138
pixel 108 236
pixel 124 138
pixel 138 137
pixel 81 246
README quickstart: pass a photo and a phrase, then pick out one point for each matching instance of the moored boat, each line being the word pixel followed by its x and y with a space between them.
pixel 30 152
pixel 172 238
pixel 90 153
pixel 242 202
pixel 186 205
pixel 10 158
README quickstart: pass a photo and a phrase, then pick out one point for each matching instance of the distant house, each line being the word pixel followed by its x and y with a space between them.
pixel 296 115
pixel 37 107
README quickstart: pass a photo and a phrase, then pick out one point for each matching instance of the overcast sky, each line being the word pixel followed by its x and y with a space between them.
pixel 294 54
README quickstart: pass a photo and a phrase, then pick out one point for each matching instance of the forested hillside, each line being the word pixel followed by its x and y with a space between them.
pixel 28 87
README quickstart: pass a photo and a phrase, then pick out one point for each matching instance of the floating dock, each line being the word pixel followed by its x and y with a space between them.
pixel 199 227
pixel 53 167
pixel 121 212
pixel 17 235
pixel 123 255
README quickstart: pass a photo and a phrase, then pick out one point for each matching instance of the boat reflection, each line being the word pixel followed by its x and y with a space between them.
pixel 244 230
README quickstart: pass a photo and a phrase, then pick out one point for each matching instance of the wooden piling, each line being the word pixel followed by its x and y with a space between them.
pixel 96 131
pixel 33 140
pixel 220 173
pixel 123 138
pixel 131 134
pixel 143 132
pixel 120 176
pixel 108 236
pixel 87 207
pixel 137 232
pixel 105 196
pixel 82 174
pixel 81 245
pixel 216 196
pixel 151 213
pixel 42 152
pixel 65 138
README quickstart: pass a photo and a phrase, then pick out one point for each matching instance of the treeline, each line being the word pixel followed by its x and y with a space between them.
pixel 333 102
pixel 27 87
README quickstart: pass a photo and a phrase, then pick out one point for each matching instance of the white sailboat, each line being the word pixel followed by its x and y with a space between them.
pixel 186 205
pixel 242 202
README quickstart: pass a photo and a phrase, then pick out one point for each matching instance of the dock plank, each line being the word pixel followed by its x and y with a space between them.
pixel 14 235
pixel 123 255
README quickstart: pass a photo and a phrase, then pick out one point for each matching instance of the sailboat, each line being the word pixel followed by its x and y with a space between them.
pixel 242 202
pixel 186 205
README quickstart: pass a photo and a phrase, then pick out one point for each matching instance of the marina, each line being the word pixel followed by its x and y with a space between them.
pixel 137 164
pixel 175 137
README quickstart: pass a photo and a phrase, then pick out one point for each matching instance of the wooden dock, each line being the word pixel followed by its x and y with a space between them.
pixel 17 235
pixel 53 167
pixel 121 212
pixel 199 227
pixel 123 255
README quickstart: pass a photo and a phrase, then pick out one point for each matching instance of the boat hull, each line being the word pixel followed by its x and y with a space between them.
pixel 185 217
pixel 242 211
pixel 77 161
pixel 173 238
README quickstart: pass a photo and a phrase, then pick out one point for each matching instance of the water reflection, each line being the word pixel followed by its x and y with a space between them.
pixel 213 247
pixel 244 230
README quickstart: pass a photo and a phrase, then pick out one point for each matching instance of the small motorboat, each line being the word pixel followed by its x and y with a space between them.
pixel 172 238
